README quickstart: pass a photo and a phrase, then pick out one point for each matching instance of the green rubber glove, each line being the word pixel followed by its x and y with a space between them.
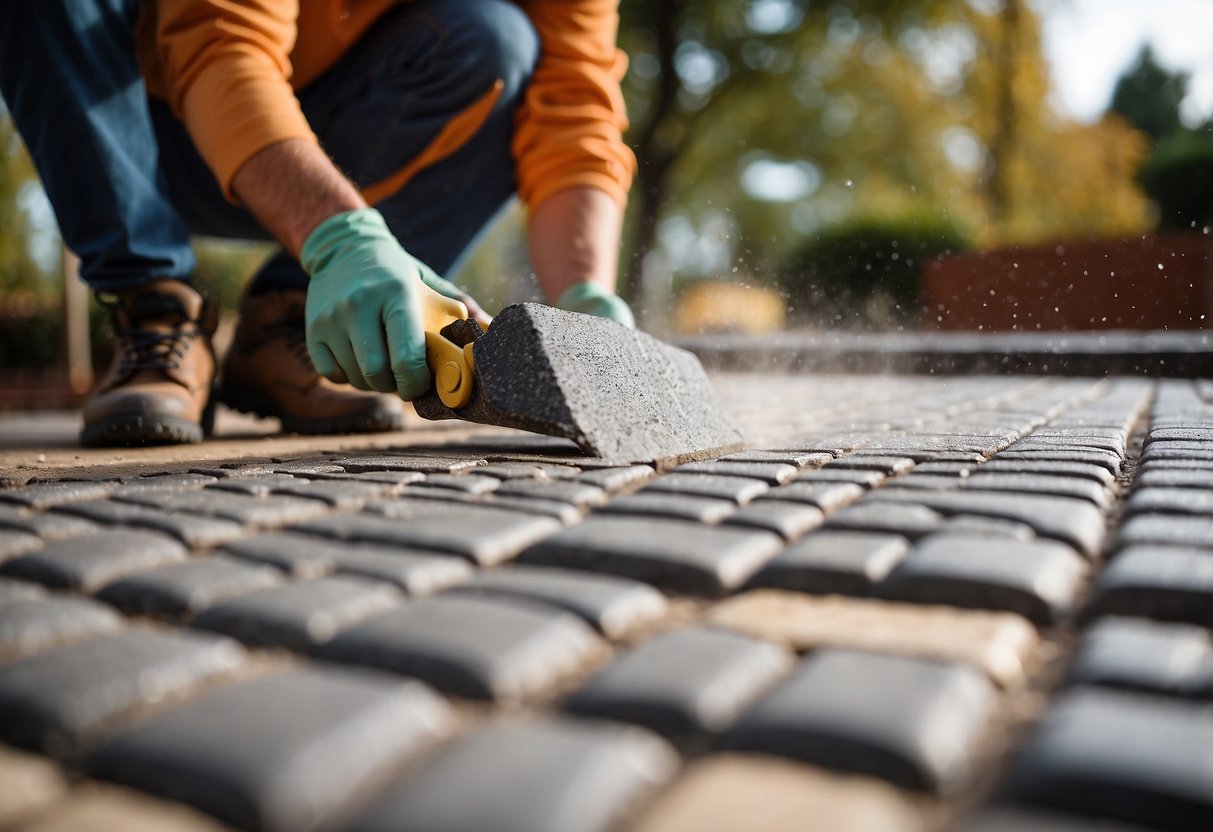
pixel 363 314
pixel 592 299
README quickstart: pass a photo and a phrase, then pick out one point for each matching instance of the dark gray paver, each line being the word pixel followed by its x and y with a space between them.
pixel 1172 501
pixel 679 555
pixel 193 530
pixel 888 465
pixel 88 563
pixel 343 494
pixel 926 482
pixel 1185 434
pixel 1091 456
pixel 772 473
pixel 800 459
pixel 827 496
pixel 1152 476
pixel 575 776
pixel 788 520
pixel 48 527
pixel 1135 654
pixel 48 494
pixel 395 479
pixel 262 512
pixel 1134 758
pixel 1073 521
pixel 56 700
pixel 27 626
pixel 472 484
pixel 914 722
pixel 1039 580
pixel 482 648
pixel 580 494
pixel 615 479
pixel 422 464
pixel 284 753
pixel 184 589
pixel 11 590
pixel 738 489
pixel 613 605
pixel 709 510
pixel 1162 582
pixel 14 543
pixel 684 685
pixel 1059 485
pixel 974 524
pixel 865 477
pixel 299 616
pixel 483 535
pixel 566 513
pixel 907 520
pixel 834 562
pixel 150 483
pixel 1080 470
pixel 416 572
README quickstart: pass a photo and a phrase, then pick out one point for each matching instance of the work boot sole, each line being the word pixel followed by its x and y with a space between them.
pixel 140 431
pixel 257 403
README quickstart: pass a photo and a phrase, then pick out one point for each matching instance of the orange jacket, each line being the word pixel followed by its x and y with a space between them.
pixel 229 69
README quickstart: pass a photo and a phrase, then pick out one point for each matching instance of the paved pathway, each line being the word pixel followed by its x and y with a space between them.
pixel 978 603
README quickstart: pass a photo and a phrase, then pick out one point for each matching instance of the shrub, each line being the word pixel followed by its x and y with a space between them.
pixel 865 271
pixel 1179 177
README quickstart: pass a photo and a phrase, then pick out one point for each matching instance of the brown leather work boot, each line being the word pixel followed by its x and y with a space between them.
pixel 157 390
pixel 268 372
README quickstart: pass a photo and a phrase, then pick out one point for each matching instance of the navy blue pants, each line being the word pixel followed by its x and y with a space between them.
pixel 128 187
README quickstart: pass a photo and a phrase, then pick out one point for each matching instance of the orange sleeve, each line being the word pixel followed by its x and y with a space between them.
pixel 227 70
pixel 570 126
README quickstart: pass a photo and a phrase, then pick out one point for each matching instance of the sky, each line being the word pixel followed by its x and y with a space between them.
pixel 1089 42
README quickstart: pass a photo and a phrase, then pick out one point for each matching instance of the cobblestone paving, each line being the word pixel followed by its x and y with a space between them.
pixel 976 603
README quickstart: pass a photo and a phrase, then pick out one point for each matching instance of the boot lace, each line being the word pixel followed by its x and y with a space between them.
pixel 150 349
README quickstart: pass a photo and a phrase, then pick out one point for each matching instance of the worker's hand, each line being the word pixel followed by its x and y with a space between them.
pixel 363 312
pixel 592 299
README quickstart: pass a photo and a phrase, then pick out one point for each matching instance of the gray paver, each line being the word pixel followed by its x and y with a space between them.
pixel 47 494
pixel 472 484
pixel 679 555
pixel 53 701
pixel 800 459
pixel 566 513
pixel 343 494
pixel 888 465
pixel 973 524
pixel 14 543
pixel 788 520
pixel 1151 476
pixel 1134 654
pixel 299 616
pixel 865 477
pixel 612 605
pixel 1161 582
pixel 1092 456
pixel 906 520
pixel 262 512
pixel 485 536
pixel 827 496
pixel 1061 486
pixel 1172 501
pixel 580 494
pixel 164 482
pixel 422 464
pixel 35 624
pixel 192 530
pixel 1039 580
pixel 416 572
pixel 914 722
pixel 615 479
pixel 482 648
pixel 577 777
pixel 1135 758
pixel 738 489
pixel 48 527
pixel 11 590
pixel 685 684
pixel 772 473
pixel 241 756
pixel 709 510
pixel 184 589
pixel 834 562
pixel 88 563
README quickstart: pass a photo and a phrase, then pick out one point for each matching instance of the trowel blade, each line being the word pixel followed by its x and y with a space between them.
pixel 619 394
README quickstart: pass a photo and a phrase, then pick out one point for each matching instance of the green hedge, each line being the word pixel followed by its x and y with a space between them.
pixel 865 271
pixel 1179 177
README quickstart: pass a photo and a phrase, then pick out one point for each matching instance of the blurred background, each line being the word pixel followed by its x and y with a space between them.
pixel 861 164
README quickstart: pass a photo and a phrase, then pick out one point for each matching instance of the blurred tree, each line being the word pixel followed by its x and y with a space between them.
pixel 1149 95
pixel 20 272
